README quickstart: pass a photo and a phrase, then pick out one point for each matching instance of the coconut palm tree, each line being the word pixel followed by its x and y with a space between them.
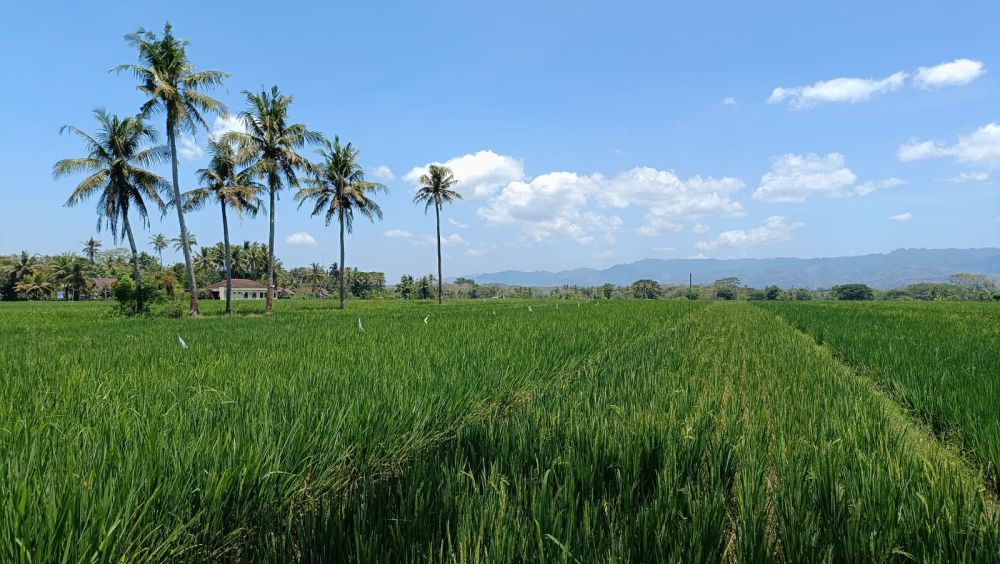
pixel 316 275
pixel 174 87
pixel 338 188
pixel 24 265
pixel 178 242
pixel 206 260
pixel 159 242
pixel 268 148
pixel 435 189
pixel 115 159
pixel 230 188
pixel 90 249
pixel 35 285
pixel 74 274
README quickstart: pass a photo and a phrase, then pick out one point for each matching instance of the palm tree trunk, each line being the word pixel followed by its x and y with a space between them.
pixel 341 258
pixel 228 261
pixel 192 287
pixel 437 216
pixel 135 264
pixel 272 182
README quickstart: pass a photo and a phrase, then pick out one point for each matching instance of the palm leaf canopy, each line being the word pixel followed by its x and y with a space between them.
pixel 435 187
pixel 223 182
pixel 116 161
pixel 167 77
pixel 337 186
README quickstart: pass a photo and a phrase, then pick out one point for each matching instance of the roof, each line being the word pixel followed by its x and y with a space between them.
pixel 240 284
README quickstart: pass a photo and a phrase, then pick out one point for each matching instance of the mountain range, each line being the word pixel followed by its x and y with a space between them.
pixel 889 270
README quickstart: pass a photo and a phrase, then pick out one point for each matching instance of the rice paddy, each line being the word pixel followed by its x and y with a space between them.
pixel 491 432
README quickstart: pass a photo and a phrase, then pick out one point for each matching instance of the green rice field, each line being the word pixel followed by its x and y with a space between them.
pixel 660 431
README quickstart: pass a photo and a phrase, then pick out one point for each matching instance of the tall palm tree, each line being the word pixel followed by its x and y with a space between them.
pixel 206 260
pixel 115 160
pixel 269 148
pixel 159 242
pixel 435 189
pixel 90 248
pixel 191 240
pixel 338 187
pixel 173 86
pixel 231 188
pixel 59 268
pixel 316 275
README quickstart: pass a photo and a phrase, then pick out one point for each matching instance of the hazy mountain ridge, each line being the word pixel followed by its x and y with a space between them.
pixel 890 270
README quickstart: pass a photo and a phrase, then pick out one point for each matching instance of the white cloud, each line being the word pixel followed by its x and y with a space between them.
pixel 841 89
pixel 424 240
pixel 870 186
pixel 563 203
pixel 982 177
pixel 955 73
pixel 188 148
pixel 551 205
pixel 604 254
pixel 981 147
pixel 670 201
pixel 225 124
pixel 383 173
pixel 479 174
pixel 729 101
pixel 700 228
pixel 793 178
pixel 775 229
pixel 901 217
pixel 300 239
pixel 458 224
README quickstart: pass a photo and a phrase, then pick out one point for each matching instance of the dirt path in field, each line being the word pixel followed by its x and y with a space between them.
pixel 912 425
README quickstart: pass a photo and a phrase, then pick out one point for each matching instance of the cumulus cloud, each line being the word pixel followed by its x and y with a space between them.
pixel 572 205
pixel 424 240
pixel 551 205
pixel 793 178
pixel 670 201
pixel 300 239
pixel 981 147
pixel 907 216
pixel 775 229
pixel 479 174
pixel 729 101
pixel 383 173
pixel 851 90
pixel 700 228
pixel 955 73
pixel 458 224
pixel 225 124
pixel 188 148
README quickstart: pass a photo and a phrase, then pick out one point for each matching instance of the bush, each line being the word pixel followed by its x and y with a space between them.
pixel 725 293
pixel 124 291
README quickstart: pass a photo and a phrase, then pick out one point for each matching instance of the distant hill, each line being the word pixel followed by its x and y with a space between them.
pixel 898 268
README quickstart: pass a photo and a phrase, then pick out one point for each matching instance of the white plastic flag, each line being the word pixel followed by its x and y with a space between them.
pixel 360 326
pixel 425 319
pixel 181 341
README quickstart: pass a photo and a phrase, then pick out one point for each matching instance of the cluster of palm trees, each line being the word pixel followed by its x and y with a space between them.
pixel 245 165
pixel 34 278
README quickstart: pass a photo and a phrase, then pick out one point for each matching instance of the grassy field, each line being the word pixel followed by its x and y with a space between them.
pixel 659 431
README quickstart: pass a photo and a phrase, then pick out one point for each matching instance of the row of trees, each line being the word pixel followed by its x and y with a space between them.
pixel 263 158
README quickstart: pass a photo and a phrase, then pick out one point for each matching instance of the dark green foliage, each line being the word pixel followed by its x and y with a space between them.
pixel 854 292
pixel 645 290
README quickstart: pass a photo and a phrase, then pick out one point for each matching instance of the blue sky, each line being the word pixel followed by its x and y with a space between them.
pixel 586 134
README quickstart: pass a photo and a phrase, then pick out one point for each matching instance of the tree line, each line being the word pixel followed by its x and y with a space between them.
pixel 246 171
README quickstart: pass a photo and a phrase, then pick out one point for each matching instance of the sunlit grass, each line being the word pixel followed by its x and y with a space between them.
pixel 626 431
